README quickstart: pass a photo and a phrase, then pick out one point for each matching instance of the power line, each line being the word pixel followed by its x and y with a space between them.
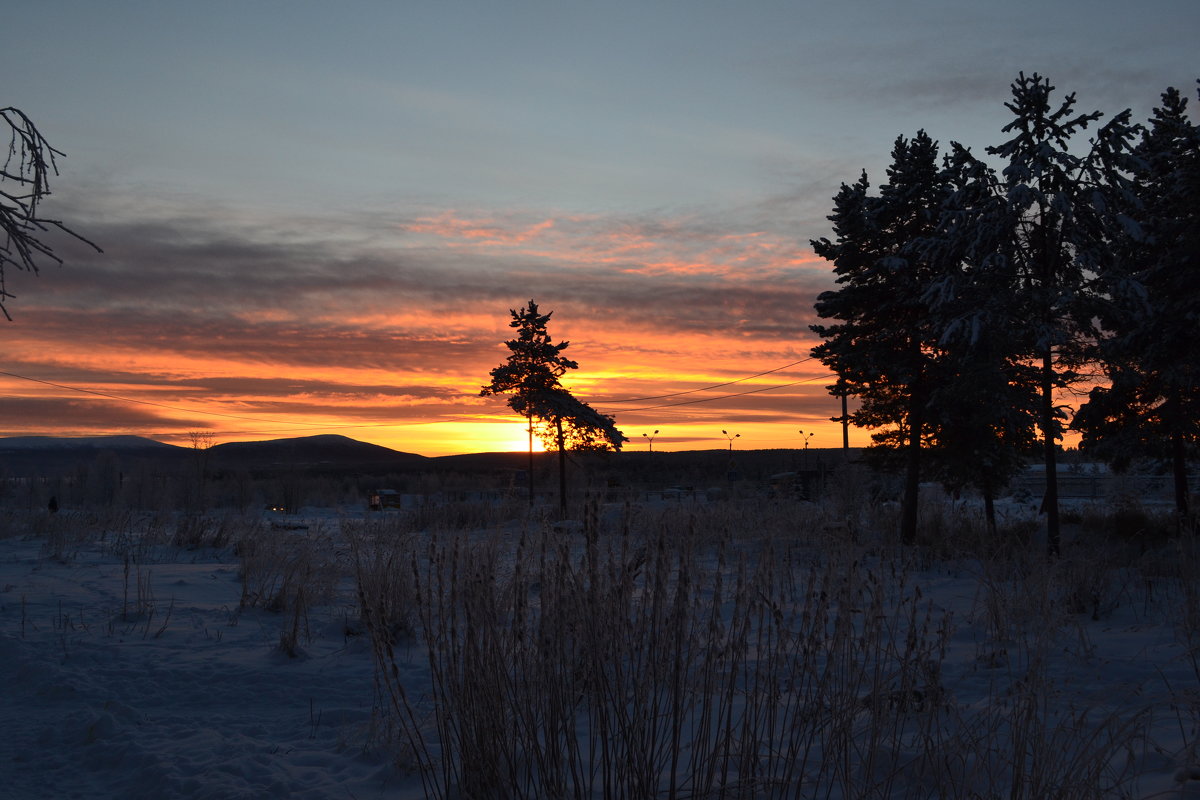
pixel 728 396
pixel 705 388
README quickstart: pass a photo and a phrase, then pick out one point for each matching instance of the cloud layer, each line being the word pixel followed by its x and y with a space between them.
pixel 392 321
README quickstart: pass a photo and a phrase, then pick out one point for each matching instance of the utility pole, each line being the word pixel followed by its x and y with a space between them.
pixel 839 390
pixel 529 419
pixel 845 425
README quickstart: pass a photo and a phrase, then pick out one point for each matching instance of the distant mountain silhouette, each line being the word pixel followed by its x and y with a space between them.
pixel 327 451
pixel 50 455
pixel 57 456
pixel 82 443
pixel 507 460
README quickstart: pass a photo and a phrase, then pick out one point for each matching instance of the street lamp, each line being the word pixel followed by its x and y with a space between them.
pixel 727 435
pixel 650 438
pixel 806 436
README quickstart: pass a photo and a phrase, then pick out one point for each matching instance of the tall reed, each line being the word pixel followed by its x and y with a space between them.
pixel 668 664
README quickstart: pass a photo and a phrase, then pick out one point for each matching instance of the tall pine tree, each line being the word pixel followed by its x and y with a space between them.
pixel 1150 338
pixel 965 295
pixel 530 377
pixel 882 347
pixel 1057 223
pixel 985 400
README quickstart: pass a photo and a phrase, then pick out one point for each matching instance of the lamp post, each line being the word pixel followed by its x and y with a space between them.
pixel 806 436
pixel 730 437
pixel 650 438
pixel 805 474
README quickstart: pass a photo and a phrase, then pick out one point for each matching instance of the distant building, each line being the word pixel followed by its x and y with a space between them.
pixel 384 498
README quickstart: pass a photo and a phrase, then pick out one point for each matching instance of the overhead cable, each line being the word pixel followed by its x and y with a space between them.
pixel 704 388
pixel 727 396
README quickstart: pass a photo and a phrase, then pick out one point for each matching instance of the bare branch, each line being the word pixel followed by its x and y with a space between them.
pixel 24 183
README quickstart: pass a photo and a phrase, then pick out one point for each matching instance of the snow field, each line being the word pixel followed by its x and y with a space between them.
pixel 728 649
pixel 140 674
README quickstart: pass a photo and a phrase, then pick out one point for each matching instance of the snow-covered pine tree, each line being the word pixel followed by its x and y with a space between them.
pixel 1150 344
pixel 985 396
pixel 1057 223
pixel 882 346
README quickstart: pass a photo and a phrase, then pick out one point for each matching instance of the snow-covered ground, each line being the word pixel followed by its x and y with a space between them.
pixel 146 680
pixel 132 667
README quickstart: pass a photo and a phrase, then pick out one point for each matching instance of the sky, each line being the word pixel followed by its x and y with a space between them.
pixel 316 217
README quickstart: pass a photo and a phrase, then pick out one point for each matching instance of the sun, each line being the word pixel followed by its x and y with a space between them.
pixel 516 439
pixel 495 437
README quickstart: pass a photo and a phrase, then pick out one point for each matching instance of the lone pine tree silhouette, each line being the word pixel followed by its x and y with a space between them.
pixel 530 378
pixel 24 182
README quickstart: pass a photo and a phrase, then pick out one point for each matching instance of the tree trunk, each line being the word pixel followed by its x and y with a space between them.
pixel 912 476
pixel 1050 499
pixel 1179 468
pixel 845 427
pixel 562 466
pixel 989 507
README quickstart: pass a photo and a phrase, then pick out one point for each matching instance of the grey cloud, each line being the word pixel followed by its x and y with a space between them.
pixel 169 390
pixel 155 274
pixel 286 344
pixel 66 416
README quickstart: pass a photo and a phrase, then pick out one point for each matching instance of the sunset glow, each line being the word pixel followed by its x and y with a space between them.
pixel 674 349
pixel 320 227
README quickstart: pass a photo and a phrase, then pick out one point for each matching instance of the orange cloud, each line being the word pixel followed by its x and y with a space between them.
pixel 478 231
pixel 252 334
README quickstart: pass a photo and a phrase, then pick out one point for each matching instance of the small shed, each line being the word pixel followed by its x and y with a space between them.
pixel 380 499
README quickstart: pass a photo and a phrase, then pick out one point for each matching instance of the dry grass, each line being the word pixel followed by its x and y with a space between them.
pixel 734 649
pixel 687 658
pixel 289 572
